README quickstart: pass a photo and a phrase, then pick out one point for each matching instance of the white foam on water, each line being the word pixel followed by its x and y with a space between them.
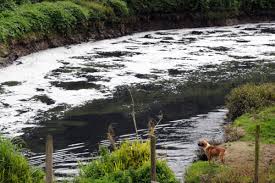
pixel 18 109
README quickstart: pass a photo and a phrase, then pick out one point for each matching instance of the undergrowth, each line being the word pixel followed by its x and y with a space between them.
pixel 19 18
pixel 14 168
pixel 128 164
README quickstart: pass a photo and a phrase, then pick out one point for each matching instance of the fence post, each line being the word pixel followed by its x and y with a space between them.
pixel 257 149
pixel 49 159
pixel 153 158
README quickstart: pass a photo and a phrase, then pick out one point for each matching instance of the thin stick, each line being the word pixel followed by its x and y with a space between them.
pixel 153 158
pixel 133 113
pixel 49 159
pixel 257 147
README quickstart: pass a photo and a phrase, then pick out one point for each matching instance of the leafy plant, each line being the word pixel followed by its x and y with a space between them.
pixel 14 168
pixel 129 163
pixel 249 97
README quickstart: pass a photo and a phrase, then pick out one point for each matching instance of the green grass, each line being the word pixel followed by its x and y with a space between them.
pixel 20 18
pixel 202 171
pixel 14 168
pixel 199 168
pixel 129 163
pixel 43 18
pixel 266 119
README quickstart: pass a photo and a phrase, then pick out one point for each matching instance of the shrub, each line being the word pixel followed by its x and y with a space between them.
pixel 14 168
pixel 120 7
pixel 249 97
pixel 42 18
pixel 164 173
pixel 98 11
pixel 7 5
pixel 129 163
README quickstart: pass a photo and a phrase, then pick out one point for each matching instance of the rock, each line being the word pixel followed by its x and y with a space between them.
pixel 40 89
pixel 44 99
pixel 75 85
pixel 196 32
pixel 220 48
pixel 3 61
pixel 146 76
pixel 268 30
pixel 175 71
pixel 11 83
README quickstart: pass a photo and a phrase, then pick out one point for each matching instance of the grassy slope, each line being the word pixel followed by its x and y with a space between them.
pixel 240 154
pixel 266 119
pixel 24 18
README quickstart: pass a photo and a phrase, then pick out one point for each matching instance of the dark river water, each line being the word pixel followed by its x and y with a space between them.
pixel 76 92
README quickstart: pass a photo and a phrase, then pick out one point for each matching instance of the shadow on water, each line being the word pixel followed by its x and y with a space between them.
pixel 192 100
pixel 183 73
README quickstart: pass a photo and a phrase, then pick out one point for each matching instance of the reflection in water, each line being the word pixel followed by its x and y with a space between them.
pixel 75 92
pixel 176 142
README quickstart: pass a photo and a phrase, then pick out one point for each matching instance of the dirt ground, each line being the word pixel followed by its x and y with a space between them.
pixel 240 155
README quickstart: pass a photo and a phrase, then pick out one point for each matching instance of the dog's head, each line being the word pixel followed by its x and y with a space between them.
pixel 203 143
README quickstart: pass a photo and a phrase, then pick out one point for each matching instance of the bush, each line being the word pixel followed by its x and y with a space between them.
pixel 249 97
pixel 14 168
pixel 164 173
pixel 98 11
pixel 42 18
pixel 7 5
pixel 120 7
pixel 129 163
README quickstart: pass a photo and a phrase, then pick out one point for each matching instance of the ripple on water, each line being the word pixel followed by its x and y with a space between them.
pixel 56 80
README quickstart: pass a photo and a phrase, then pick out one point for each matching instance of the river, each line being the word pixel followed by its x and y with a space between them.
pixel 75 92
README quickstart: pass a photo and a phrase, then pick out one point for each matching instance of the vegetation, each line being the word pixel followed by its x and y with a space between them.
pixel 255 104
pixel 42 18
pixel 25 18
pixel 14 168
pixel 266 118
pixel 249 97
pixel 129 163
pixel 202 171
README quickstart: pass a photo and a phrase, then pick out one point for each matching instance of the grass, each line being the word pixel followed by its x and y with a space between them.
pixel 255 105
pixel 14 168
pixel 43 18
pixel 202 171
pixel 266 119
pixel 129 163
pixel 23 18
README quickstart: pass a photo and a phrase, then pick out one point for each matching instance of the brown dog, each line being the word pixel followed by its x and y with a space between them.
pixel 212 151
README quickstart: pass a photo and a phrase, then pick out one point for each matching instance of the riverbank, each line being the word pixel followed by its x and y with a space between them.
pixel 29 28
pixel 240 146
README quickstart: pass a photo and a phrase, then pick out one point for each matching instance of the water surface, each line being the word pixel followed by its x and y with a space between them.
pixel 75 92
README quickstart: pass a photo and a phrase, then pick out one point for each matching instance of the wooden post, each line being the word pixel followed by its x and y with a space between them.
pixel 153 158
pixel 257 149
pixel 49 159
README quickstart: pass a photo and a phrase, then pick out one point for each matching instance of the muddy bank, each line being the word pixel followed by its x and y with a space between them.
pixel 106 30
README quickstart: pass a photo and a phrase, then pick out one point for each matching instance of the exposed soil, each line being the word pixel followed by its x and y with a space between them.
pixel 240 155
